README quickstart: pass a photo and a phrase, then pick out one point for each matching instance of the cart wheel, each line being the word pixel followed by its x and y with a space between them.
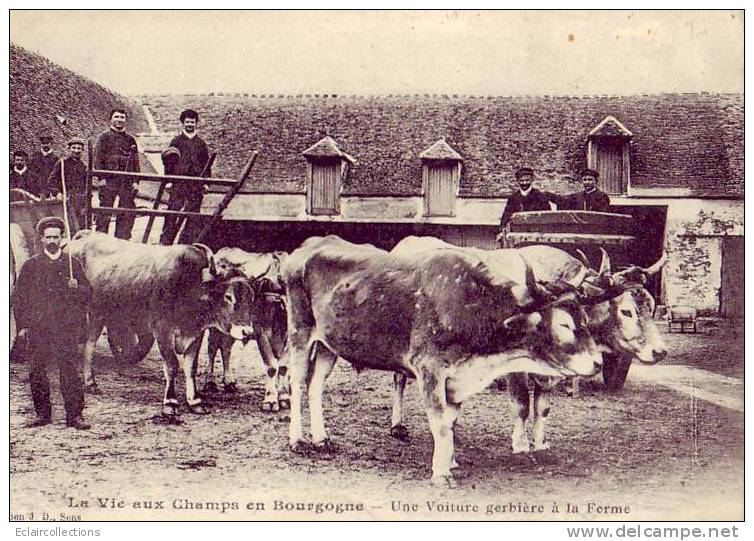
pixel 614 371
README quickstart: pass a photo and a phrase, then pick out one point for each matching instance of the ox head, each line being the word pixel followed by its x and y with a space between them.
pixel 622 310
pixel 230 304
pixel 556 326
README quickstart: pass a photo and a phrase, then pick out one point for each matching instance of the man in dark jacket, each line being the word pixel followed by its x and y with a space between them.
pixel 194 158
pixel 50 308
pixel 591 198
pixel 21 177
pixel 74 170
pixel 42 162
pixel 526 198
pixel 116 151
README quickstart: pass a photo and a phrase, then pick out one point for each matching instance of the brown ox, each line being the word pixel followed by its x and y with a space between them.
pixel 270 325
pixel 620 314
pixel 173 291
pixel 443 317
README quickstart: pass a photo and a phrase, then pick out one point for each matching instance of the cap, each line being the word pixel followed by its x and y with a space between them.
pixel 76 141
pixel 45 138
pixel 589 172
pixel 521 171
pixel 50 221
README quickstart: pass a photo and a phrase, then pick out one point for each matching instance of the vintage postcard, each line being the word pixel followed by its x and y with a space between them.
pixel 376 265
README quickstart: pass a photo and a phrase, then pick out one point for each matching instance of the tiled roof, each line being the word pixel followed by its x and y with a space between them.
pixel 41 90
pixel 687 140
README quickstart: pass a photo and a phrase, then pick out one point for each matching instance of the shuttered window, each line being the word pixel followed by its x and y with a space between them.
pixel 610 158
pixel 441 186
pixel 324 191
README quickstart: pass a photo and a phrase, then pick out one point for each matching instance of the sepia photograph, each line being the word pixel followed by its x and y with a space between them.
pixel 384 265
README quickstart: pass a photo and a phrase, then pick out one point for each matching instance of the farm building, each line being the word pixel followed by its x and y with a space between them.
pixel 376 169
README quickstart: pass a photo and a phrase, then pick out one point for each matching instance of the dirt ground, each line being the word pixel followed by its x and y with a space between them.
pixel 647 452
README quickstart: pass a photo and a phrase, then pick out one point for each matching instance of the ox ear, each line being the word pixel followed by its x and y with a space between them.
pixel 522 295
pixel 523 323
pixel 207 276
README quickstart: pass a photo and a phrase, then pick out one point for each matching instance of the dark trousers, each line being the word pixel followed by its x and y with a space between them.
pixel 77 207
pixel 180 200
pixel 68 358
pixel 124 223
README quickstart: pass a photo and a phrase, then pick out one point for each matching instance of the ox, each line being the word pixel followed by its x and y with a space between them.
pixel 269 319
pixel 443 317
pixel 620 320
pixel 173 290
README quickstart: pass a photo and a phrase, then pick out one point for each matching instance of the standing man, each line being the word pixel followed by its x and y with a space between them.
pixel 526 198
pixel 50 308
pixel 591 198
pixel 42 162
pixel 116 151
pixel 74 169
pixel 21 176
pixel 194 157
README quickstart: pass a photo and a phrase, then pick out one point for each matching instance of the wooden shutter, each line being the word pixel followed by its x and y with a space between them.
pixel 732 286
pixel 610 165
pixel 440 189
pixel 325 187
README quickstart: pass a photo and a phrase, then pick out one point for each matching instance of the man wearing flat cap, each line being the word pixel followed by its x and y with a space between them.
pixel 193 158
pixel 42 163
pixel 50 302
pixel 591 198
pixel 526 198
pixel 73 169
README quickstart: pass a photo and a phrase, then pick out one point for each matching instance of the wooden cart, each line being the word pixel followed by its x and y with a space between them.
pixel 587 231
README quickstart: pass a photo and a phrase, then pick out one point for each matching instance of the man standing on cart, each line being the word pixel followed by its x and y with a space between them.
pixel 187 196
pixel 41 163
pixel 591 198
pixel 74 170
pixel 526 198
pixel 116 151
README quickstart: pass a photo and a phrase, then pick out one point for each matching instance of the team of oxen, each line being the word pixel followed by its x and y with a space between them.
pixel 453 319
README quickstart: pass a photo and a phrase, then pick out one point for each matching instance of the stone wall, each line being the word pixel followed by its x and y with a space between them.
pixel 693 239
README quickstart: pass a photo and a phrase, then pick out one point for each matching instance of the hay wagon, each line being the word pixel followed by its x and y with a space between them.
pixel 587 231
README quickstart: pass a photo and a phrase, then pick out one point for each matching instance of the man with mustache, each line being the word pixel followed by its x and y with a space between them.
pixel 526 198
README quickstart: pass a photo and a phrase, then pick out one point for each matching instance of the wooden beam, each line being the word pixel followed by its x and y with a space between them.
pixel 228 198
pixel 155 177
pixel 151 212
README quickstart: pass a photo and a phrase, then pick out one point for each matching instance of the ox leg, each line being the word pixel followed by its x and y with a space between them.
pixel 518 388
pixel 229 377
pixel 93 332
pixel 298 357
pixel 277 342
pixel 397 429
pixel 214 344
pixel 442 416
pixel 165 342
pixel 270 402
pixel 323 365
pixel 542 453
pixel 189 363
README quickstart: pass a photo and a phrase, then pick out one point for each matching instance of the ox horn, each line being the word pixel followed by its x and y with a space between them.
pixel 605 263
pixel 581 256
pixel 654 269
pixel 577 280
pixel 209 273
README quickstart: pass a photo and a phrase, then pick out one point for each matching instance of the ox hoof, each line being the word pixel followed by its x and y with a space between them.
pixel 324 446
pixel 91 388
pixel 199 409
pixel 299 447
pixel 520 459
pixel 285 403
pixel 230 387
pixel 458 473
pixel 270 407
pixel 210 387
pixel 444 481
pixel 545 456
pixel 170 410
pixel 399 432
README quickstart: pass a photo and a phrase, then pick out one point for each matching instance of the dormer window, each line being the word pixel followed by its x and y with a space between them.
pixel 441 174
pixel 608 153
pixel 327 167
